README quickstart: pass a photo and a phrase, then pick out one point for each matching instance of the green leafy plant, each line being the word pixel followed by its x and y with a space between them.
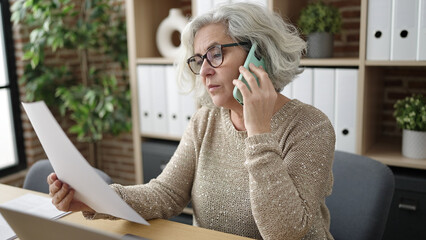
pixel 85 89
pixel 319 17
pixel 101 108
pixel 410 113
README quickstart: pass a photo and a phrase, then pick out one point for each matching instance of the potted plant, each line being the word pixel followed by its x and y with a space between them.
pixel 410 114
pixel 319 22
pixel 87 92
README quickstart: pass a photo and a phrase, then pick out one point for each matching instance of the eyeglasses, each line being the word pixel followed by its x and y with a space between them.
pixel 213 56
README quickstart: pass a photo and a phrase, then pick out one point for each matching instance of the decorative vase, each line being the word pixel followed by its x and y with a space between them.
pixel 320 45
pixel 174 22
pixel 414 144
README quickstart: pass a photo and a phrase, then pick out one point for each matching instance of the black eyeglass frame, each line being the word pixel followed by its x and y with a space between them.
pixel 205 55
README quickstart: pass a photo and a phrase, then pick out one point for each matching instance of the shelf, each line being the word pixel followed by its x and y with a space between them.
pixel 388 151
pixel 156 60
pixel 395 63
pixel 161 137
pixel 330 62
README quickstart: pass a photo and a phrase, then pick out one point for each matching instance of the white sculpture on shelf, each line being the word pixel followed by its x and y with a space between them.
pixel 174 22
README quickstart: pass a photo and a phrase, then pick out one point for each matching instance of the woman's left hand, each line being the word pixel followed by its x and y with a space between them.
pixel 259 103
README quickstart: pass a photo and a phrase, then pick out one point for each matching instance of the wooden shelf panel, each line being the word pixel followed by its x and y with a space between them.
pixel 330 62
pixel 396 63
pixel 388 151
pixel 157 60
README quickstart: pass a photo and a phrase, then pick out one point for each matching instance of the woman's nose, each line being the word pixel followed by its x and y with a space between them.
pixel 206 69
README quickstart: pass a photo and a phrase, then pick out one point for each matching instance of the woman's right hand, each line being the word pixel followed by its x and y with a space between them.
pixel 63 196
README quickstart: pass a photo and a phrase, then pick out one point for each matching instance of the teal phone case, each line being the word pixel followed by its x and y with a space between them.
pixel 251 58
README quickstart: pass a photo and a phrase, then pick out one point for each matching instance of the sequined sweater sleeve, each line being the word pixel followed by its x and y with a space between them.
pixel 169 193
pixel 290 176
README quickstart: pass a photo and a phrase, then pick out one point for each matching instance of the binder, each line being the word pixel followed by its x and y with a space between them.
pixel 188 107
pixel 146 120
pixel 203 6
pixel 263 3
pixel 404 29
pixel 302 86
pixel 421 42
pixel 217 3
pixel 288 90
pixel 174 117
pixel 379 29
pixel 159 99
pixel 346 108
pixel 324 91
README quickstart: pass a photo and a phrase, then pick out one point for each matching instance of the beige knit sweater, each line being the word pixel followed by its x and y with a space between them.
pixel 270 186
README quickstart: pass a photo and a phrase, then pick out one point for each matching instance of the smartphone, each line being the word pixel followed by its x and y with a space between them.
pixel 251 58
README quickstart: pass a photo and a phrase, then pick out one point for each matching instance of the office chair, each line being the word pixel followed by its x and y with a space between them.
pixel 36 178
pixel 361 197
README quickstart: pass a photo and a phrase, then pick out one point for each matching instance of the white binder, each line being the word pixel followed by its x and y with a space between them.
pixel 217 3
pixel 146 120
pixel 324 91
pixel 257 2
pixel 203 6
pixel 404 29
pixel 288 90
pixel 188 107
pixel 346 108
pixel 302 86
pixel 421 42
pixel 159 98
pixel 174 116
pixel 379 29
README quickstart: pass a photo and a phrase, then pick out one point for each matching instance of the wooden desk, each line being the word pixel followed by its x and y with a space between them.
pixel 159 228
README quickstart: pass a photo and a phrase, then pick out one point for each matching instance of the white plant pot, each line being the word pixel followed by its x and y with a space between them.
pixel 414 144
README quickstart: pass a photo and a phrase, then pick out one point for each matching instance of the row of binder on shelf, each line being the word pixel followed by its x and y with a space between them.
pixel 396 30
pixel 163 110
pixel 203 6
pixel 334 92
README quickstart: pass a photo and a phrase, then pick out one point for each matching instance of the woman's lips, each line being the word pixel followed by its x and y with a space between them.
pixel 212 87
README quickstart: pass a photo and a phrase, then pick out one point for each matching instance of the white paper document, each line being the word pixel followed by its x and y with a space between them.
pixel 6 232
pixel 31 203
pixel 71 167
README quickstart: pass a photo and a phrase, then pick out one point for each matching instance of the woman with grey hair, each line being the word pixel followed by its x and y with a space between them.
pixel 260 170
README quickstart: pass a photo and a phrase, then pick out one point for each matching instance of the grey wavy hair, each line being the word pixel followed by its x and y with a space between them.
pixel 279 42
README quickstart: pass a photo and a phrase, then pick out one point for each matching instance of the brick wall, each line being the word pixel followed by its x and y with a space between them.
pixel 346 43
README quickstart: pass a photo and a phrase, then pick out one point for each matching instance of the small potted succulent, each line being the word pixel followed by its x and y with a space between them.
pixel 319 22
pixel 410 115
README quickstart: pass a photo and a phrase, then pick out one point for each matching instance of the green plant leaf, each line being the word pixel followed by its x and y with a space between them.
pixel 28 3
pixel 410 112
pixel 35 60
pixel 319 17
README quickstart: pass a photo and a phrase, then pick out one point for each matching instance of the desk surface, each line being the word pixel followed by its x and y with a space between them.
pixel 159 228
